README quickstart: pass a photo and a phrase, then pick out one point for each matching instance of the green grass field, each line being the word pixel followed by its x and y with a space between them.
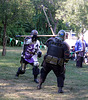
pixel 76 82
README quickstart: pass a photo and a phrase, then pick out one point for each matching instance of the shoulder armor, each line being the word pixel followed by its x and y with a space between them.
pixel 27 40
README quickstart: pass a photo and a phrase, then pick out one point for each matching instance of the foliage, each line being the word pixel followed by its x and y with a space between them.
pixel 22 16
pixel 75 12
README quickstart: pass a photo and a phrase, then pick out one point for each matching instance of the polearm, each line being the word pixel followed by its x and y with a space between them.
pixel 42 35
pixel 48 20
pixel 37 35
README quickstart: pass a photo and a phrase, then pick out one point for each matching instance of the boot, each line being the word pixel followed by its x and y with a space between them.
pixel 40 84
pixel 60 90
pixel 16 76
pixel 36 81
pixel 39 87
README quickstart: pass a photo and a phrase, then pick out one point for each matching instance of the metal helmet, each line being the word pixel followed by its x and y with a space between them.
pixel 34 32
pixel 61 35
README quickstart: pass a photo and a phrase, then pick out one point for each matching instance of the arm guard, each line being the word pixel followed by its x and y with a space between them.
pixel 38 51
pixel 66 56
pixel 66 52
pixel 24 48
pixel 27 41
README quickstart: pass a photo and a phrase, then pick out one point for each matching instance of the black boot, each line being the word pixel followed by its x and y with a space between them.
pixel 16 76
pixel 38 87
pixel 18 72
pixel 60 90
pixel 35 79
pixel 40 83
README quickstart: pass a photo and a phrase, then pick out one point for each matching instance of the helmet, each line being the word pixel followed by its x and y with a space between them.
pixel 61 35
pixel 34 32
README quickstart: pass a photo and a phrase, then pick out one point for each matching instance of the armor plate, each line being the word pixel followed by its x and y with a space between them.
pixel 55 50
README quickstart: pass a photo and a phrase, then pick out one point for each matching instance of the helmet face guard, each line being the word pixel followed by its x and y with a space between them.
pixel 34 38
pixel 34 34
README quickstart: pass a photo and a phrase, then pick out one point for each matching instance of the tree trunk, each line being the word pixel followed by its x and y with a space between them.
pixel 4 41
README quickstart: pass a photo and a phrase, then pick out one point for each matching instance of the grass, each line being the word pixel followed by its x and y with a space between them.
pixel 76 82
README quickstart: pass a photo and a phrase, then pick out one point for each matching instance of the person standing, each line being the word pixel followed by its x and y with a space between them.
pixel 57 55
pixel 80 51
pixel 31 50
pixel 72 53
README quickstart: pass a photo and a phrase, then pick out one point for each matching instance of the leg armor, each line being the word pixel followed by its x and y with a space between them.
pixel 43 75
pixel 35 68
pixel 42 78
pixel 60 83
pixel 21 70
pixel 60 80
pixel 35 71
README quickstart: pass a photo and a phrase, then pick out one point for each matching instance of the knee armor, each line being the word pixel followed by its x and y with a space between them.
pixel 23 66
pixel 35 68
pixel 36 63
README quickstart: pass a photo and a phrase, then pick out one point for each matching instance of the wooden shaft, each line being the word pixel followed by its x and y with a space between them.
pixel 48 21
pixel 37 35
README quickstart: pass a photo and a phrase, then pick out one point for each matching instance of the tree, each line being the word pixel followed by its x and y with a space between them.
pixel 50 8
pixel 75 12
pixel 6 16
pixel 12 11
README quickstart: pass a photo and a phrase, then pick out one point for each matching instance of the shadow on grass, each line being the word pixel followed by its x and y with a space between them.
pixel 24 88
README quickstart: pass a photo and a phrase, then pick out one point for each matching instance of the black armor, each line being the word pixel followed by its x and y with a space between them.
pixel 55 49
pixel 57 54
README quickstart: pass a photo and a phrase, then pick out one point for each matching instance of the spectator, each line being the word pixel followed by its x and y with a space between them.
pixel 80 51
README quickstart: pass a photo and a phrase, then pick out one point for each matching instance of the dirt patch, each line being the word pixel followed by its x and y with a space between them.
pixel 17 90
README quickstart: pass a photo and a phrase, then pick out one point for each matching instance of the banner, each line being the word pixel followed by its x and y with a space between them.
pixel 10 40
pixel 16 42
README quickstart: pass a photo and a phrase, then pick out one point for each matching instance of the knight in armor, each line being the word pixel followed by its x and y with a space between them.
pixel 56 57
pixel 31 51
